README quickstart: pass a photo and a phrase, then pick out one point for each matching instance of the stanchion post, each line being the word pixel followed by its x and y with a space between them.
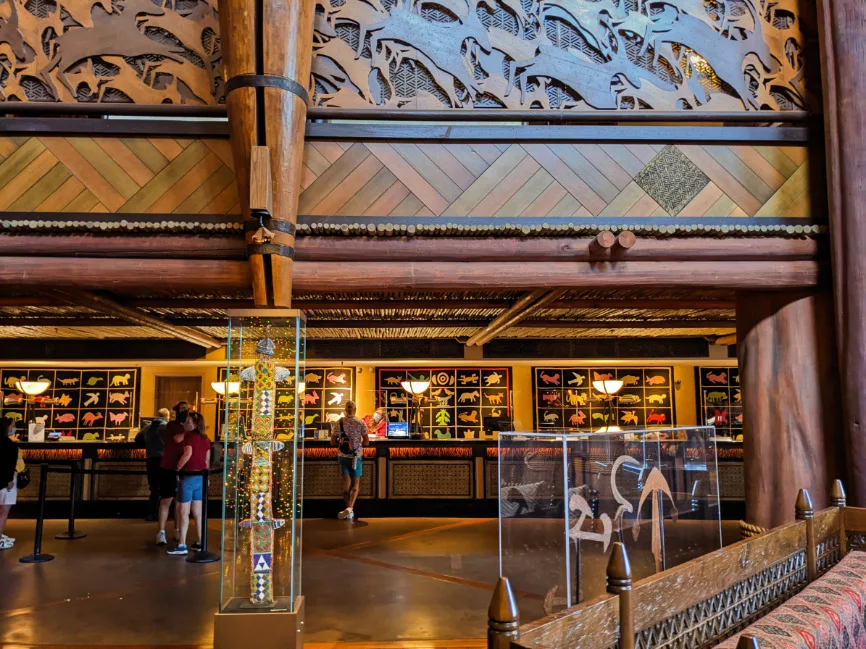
pixel 203 556
pixel 71 533
pixel 37 556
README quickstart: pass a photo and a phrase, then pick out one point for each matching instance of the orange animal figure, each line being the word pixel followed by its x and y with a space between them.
pixel 577 419
pixel 656 380
pixel 118 418
pixel 602 377
pixel 65 418
pixel 91 418
pixel 654 418
pixel 550 379
pixel 721 416
pixel 721 378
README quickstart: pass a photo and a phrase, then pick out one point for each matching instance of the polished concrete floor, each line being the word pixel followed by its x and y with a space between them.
pixel 411 581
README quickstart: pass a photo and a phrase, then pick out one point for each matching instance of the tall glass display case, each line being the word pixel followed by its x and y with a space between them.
pixel 565 497
pixel 260 588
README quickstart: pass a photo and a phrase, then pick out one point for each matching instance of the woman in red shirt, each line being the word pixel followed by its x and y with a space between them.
pixel 195 459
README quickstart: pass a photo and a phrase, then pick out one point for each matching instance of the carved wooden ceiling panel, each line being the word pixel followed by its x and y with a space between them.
pixel 560 54
pixel 140 51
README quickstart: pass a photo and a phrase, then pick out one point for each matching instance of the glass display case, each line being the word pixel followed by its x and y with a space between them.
pixel 261 540
pixel 564 498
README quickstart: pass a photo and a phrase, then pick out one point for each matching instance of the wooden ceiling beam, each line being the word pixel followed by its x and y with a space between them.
pixel 325 277
pixel 416 249
pixel 113 309
pixel 494 329
pixel 515 309
pixel 387 324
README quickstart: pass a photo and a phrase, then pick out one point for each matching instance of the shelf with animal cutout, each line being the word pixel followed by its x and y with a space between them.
pixel 563 397
pixel 720 399
pixel 326 391
pixel 84 404
pixel 456 405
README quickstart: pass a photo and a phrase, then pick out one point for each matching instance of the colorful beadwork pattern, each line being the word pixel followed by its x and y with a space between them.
pixel 262 447
pixel 828 614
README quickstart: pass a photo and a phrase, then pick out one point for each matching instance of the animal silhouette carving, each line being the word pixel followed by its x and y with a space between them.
pixel 600 416
pixel 719 379
pixel 15 416
pixel 336 379
pixel 576 398
pixel 717 397
pixel 577 419
pixel 469 397
pixel 551 418
pixel 309 419
pixel 64 400
pixel 738 397
pixel 311 398
pixel 69 382
pixel 550 397
pixel 92 399
pixel 495 398
pixel 312 377
pixel 656 417
pixel 118 397
pixel 660 379
pixel 629 400
pixel 120 379
pixel 397 398
pixel 630 379
pixel 549 379
pixel 470 378
pixel 285 399
pixel 577 380
pixel 607 376
pixel 335 400
pixel 90 418
pixel 392 380
pixel 333 417
pixel 656 398
pixel 494 378
pixel 118 418
pixel 41 420
pixel 629 417
pixel 442 396
pixel 471 418
pixel 94 380
pixel 115 34
pixel 720 417
pixel 495 412
pixel 12 381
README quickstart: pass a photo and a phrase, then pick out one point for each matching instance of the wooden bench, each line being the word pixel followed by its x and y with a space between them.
pixel 700 603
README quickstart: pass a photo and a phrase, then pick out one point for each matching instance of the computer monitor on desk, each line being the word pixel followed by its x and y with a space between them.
pixel 397 430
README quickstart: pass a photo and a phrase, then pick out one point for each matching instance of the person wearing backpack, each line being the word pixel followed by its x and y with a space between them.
pixel 152 437
pixel 349 435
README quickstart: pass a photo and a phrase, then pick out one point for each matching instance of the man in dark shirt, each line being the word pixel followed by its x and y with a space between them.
pixel 153 439
pixel 173 435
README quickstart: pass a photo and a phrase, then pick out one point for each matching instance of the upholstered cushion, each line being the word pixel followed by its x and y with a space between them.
pixel 828 614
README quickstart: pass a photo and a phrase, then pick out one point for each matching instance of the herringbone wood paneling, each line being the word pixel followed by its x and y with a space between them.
pixel 165 176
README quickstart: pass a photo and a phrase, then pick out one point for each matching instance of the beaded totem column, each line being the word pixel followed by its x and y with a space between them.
pixel 262 447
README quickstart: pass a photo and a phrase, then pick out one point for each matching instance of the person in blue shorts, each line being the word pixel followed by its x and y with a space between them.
pixel 349 435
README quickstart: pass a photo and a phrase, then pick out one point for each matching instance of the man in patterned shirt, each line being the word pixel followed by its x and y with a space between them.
pixel 350 435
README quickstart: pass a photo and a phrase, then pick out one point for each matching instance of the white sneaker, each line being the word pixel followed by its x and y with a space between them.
pixel 160 538
pixel 346 514
pixel 6 544
pixel 3 537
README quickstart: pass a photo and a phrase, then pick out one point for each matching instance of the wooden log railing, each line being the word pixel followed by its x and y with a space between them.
pixel 755 575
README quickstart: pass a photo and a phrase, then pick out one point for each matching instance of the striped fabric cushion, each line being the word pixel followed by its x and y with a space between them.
pixel 828 614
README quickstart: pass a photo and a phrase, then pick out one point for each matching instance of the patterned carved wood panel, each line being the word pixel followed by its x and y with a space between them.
pixel 124 51
pixel 575 54
pixel 444 479
pixel 118 175
pixel 120 487
pixel 356 179
pixel 322 480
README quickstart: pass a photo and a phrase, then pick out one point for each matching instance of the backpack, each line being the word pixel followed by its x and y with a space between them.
pixel 345 442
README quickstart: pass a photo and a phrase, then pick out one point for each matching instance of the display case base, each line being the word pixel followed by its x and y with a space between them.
pixel 264 628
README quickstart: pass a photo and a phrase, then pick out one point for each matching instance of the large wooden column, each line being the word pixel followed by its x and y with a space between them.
pixel 789 385
pixel 267 49
pixel 843 72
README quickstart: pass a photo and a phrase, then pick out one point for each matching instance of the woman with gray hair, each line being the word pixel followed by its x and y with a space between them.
pixel 349 435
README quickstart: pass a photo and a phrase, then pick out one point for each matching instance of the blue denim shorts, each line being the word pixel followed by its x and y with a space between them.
pixel 189 488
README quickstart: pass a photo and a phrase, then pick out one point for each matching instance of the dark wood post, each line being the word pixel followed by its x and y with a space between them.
pixel 805 512
pixel 267 50
pixel 748 642
pixel 788 381
pixel 840 500
pixel 843 75
pixel 503 618
pixel 619 582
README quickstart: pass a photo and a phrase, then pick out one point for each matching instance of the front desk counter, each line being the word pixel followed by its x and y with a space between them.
pixel 400 478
